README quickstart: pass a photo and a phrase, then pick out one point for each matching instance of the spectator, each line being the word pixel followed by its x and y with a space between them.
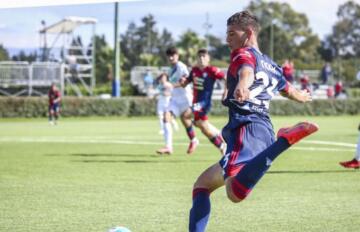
pixel 148 81
pixel 305 83
pixel 358 76
pixel 330 92
pixel 288 71
pixel 73 65
pixel 326 72
pixel 338 88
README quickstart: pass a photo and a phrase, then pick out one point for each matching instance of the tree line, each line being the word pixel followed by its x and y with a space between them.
pixel 285 34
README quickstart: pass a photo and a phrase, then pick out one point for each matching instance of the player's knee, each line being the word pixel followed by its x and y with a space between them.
pixel 236 192
pixel 232 197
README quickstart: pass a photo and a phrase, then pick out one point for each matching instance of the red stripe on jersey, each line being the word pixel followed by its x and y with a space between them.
pixel 240 57
pixel 234 169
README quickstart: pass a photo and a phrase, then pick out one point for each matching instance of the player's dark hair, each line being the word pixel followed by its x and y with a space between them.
pixel 202 51
pixel 161 75
pixel 171 51
pixel 245 19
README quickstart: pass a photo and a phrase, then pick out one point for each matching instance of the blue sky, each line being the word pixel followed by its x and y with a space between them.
pixel 19 26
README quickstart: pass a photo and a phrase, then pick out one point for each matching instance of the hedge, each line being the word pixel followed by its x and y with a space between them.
pixel 141 106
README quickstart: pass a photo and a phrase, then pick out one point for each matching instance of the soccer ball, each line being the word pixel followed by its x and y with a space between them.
pixel 119 229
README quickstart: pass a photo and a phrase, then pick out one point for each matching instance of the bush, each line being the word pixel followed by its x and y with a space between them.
pixel 141 106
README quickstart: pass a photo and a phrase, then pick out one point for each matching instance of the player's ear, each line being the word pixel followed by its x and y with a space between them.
pixel 249 33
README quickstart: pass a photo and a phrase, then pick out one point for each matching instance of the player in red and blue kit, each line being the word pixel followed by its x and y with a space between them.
pixel 252 80
pixel 203 76
pixel 54 104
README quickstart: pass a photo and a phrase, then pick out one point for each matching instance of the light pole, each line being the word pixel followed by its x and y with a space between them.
pixel 116 81
pixel 207 27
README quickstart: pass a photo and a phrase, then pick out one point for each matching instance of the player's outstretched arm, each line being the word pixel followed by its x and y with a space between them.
pixel 301 96
pixel 246 78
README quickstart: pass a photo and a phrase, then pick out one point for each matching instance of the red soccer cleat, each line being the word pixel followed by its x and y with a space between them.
pixel 351 164
pixel 164 151
pixel 192 146
pixel 295 133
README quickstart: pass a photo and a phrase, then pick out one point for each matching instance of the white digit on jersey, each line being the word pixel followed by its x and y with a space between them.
pixel 268 84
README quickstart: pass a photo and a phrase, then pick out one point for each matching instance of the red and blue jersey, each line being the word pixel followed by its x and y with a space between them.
pixel 269 79
pixel 52 96
pixel 203 82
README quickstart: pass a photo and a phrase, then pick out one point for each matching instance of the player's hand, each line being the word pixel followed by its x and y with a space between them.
pixel 182 81
pixel 304 96
pixel 241 94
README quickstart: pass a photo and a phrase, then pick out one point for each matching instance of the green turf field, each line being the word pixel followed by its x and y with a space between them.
pixel 90 174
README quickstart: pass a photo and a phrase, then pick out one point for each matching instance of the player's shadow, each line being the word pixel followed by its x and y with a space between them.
pixel 139 161
pixel 309 171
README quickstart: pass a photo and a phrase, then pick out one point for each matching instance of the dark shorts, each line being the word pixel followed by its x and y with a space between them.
pixel 244 142
pixel 200 110
pixel 54 107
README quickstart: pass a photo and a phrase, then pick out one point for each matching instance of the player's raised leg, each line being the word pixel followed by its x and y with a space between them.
pixel 250 172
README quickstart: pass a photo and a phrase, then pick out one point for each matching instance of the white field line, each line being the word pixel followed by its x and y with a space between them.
pixel 88 140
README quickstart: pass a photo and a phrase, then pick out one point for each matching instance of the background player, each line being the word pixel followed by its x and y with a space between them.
pixel 54 104
pixel 164 93
pixel 252 79
pixel 354 163
pixel 179 105
pixel 203 77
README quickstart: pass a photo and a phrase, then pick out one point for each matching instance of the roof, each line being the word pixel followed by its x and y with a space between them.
pixel 68 24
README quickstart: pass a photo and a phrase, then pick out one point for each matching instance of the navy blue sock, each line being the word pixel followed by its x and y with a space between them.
pixel 200 211
pixel 252 171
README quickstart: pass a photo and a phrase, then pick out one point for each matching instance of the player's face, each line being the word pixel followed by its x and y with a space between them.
pixel 235 37
pixel 203 60
pixel 173 59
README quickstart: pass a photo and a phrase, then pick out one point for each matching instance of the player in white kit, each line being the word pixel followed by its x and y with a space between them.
pixel 180 102
pixel 164 89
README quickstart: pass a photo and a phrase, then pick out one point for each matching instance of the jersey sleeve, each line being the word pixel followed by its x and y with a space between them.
pixel 217 73
pixel 184 71
pixel 283 85
pixel 242 58
pixel 189 78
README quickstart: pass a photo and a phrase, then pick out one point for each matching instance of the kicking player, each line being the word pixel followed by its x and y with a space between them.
pixel 54 104
pixel 354 163
pixel 164 94
pixel 179 105
pixel 203 78
pixel 252 80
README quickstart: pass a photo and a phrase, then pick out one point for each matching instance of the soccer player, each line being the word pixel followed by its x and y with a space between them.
pixel 179 105
pixel 252 80
pixel 354 163
pixel 164 94
pixel 203 77
pixel 54 104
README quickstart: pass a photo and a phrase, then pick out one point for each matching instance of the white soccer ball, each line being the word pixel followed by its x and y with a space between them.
pixel 119 229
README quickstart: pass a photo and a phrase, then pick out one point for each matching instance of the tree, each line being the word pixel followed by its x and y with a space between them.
pixel 104 57
pixel 142 45
pixel 345 37
pixel 4 55
pixel 292 36
pixel 22 56
pixel 189 44
pixel 217 49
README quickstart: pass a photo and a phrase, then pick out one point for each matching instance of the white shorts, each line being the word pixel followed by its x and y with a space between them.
pixel 178 106
pixel 162 104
